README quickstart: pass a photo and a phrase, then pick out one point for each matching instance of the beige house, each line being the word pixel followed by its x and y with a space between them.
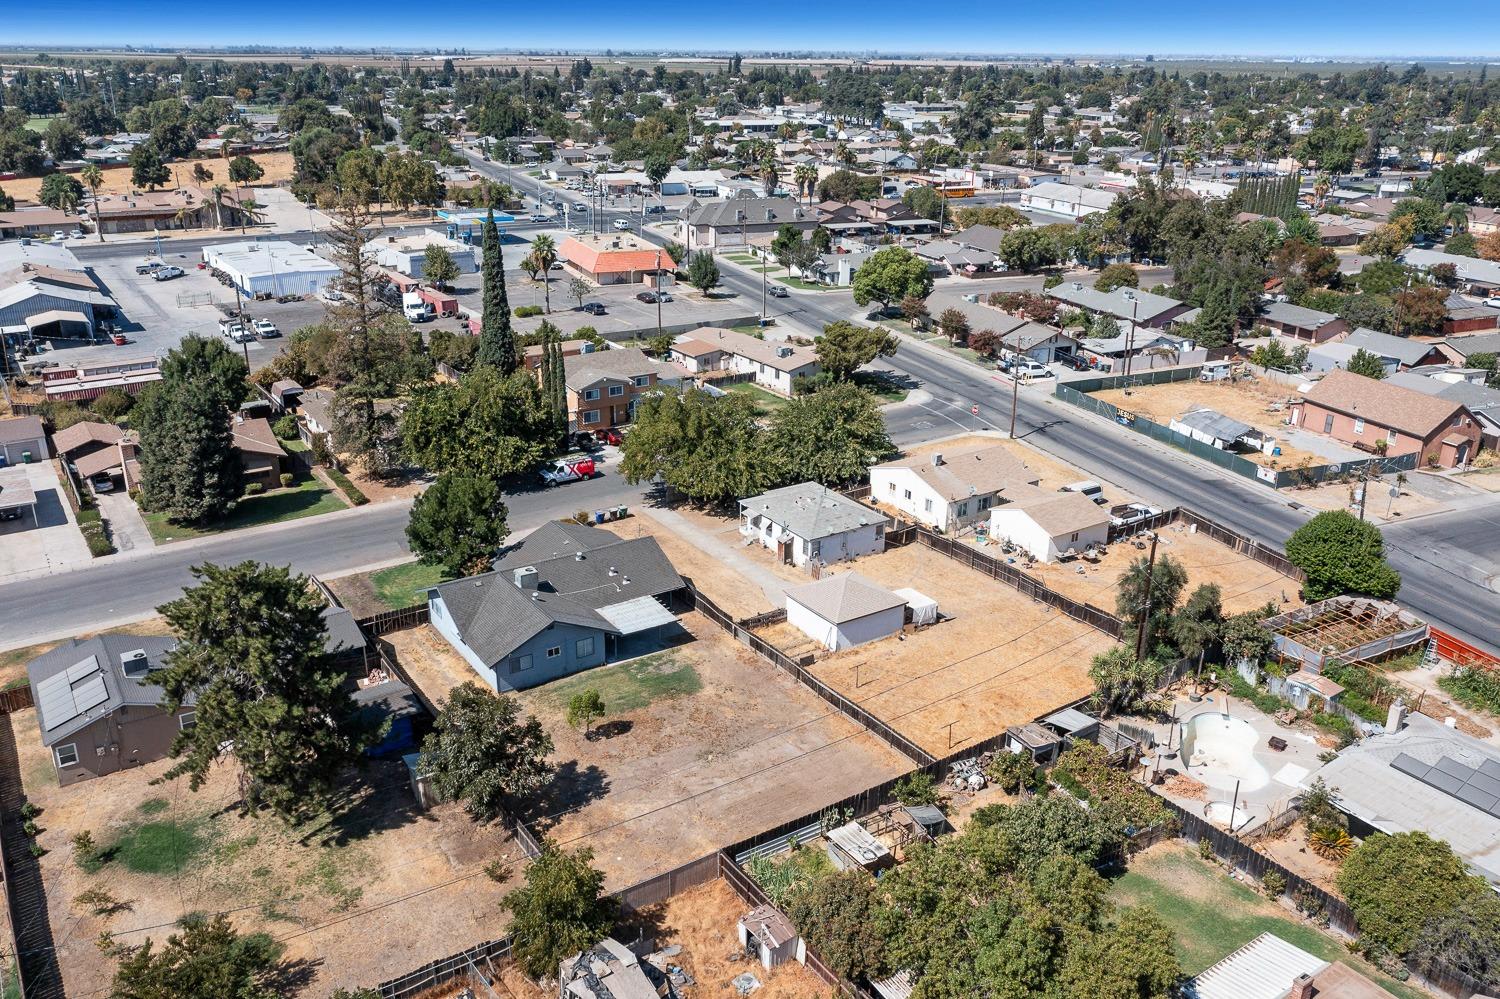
pixel 950 491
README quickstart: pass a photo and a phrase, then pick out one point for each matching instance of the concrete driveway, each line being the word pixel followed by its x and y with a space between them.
pixel 126 528
pixel 46 542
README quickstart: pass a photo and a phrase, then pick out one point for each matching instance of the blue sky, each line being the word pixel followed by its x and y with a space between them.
pixel 1373 27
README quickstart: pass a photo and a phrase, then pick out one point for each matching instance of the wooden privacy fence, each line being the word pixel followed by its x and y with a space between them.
pixel 395 620
pixel 15 699
pixel 797 668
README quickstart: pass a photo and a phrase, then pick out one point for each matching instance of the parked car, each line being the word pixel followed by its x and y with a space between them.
pixel 58 236
pixel 228 326
pixel 1071 360
pixel 656 209
pixel 622 225
pixel 76 234
pixel 265 329
pixel 102 484
pixel 652 297
pixel 166 273
pixel 1493 301
pixel 1126 514
pixel 148 266
pixel 581 440
pixel 539 217
pixel 594 308
pixel 609 435
pixel 779 291
pixel 557 265
pixel 569 469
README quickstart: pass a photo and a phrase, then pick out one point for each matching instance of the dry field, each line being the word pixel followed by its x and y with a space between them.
pixel 278 168
pixel 717 561
pixel 705 744
pixel 1246 584
pixel 1246 401
pixel 703 921
pixel 333 891
pixel 431 662
pixel 1380 506
pixel 1000 660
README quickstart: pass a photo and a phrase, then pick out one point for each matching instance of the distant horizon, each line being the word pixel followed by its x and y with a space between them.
pixel 1375 30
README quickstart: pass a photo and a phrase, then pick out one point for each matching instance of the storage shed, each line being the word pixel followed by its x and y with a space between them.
pixel 920 608
pixel 852 846
pixel 768 934
pixel 843 611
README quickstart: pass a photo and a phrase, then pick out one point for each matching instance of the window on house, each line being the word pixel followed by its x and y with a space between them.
pixel 584 647
pixel 554 652
pixel 1391 437
pixel 985 502
pixel 1074 537
pixel 592 416
pixel 617 390
pixel 66 756
pixel 520 663
pixel 1328 424
pixel 963 509
pixel 817 549
pixel 187 719
pixel 1359 425
pixel 927 505
pixel 641 381
pixel 908 494
pixel 591 394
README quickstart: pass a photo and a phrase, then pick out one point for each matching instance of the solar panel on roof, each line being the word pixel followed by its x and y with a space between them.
pixel 1447 783
pixel 1486 783
pixel 67 695
pixel 1410 765
pixel 1495 809
pixel 1473 796
pixel 79 670
pixel 1448 765
pixel 1490 768
pixel 90 693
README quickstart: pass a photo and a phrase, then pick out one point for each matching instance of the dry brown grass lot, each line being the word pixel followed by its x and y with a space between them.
pixel 278 168
pixel 711 570
pixel 1246 584
pixel 688 772
pixel 431 662
pixel 703 921
pixel 1000 660
pixel 1248 401
pixel 332 891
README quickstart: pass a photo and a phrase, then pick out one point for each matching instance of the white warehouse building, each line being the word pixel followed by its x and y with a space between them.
pixel 408 254
pixel 272 267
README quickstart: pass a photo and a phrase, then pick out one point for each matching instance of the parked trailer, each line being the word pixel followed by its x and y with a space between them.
pixel 442 303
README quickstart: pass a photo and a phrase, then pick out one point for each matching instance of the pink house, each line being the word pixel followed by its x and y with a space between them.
pixel 1382 418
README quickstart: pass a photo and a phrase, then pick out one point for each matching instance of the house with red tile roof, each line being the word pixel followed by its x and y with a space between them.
pixel 614 258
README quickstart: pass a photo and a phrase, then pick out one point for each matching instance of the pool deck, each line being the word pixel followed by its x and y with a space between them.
pixel 1267 779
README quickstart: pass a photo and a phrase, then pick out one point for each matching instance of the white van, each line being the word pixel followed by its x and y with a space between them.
pixel 1087 487
pixel 415 308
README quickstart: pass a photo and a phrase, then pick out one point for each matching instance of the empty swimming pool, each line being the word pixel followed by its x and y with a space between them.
pixel 1220 750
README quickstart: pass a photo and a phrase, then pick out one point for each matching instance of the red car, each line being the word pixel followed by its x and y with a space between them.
pixel 609 436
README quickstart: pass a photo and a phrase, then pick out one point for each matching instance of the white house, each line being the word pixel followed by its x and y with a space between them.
pixel 775 364
pixel 1050 524
pixel 840 612
pixel 946 492
pixel 408 254
pixel 808 522
pixel 1066 199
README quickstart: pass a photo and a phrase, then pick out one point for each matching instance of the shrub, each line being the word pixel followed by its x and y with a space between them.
pixel 30 811
pixel 30 828
pixel 286 427
pixel 1012 771
pixel 524 311
pixel 497 871
pixel 349 489
pixel 88 517
pixel 97 540
pixel 254 488
pixel 915 789
pixel 1205 848
pixel 37 850
pixel 1273 883
pixel 286 480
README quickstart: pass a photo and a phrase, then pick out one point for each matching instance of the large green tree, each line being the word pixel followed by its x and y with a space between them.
pixel 708 450
pixel 189 469
pixel 1396 884
pixel 61 191
pixel 831 436
pixel 147 168
pixel 458 523
pixel 207 956
pixel 497 341
pixel 486 424
pixel 560 911
pixel 438 265
pixel 846 347
pixel 484 752
pixel 251 660
pixel 1342 554
pixel 890 275
pixel 1160 586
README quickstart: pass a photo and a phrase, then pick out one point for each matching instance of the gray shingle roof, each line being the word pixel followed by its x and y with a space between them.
pixel 1118 303
pixel 845 597
pixel 57 724
pixel 623 363
pixel 1384 345
pixel 725 213
pixel 1296 315
pixel 811 511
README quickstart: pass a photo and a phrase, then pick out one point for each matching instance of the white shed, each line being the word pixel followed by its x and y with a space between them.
pixel 924 609
pixel 843 611
pixel 272 267
pixel 767 933
pixel 1050 524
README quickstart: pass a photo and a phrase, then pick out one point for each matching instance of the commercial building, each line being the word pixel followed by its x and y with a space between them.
pixel 46 293
pixel 408 254
pixel 1067 200
pixel 740 222
pixel 616 258
pixel 272 267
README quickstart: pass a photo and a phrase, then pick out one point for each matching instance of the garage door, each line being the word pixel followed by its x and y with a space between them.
pixel 14 452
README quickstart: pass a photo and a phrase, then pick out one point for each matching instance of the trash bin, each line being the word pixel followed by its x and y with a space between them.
pixel 25 457
pixel 598 516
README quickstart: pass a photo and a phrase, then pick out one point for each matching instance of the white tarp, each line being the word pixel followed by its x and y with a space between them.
pixel 924 609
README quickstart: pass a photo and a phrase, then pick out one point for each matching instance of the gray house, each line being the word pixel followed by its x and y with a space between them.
pixel 97 708
pixel 567 599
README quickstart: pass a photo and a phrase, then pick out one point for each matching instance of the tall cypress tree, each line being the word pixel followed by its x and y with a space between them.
pixel 497 341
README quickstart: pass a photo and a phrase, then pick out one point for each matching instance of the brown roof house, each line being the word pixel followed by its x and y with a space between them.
pixel 262 458
pixel 605 386
pixel 1382 418
pixel 1049 525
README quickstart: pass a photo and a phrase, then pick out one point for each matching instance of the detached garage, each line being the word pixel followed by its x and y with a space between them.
pixel 840 612
pixel 22 438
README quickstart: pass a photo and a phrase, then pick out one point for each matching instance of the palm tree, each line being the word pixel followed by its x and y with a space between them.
pixel 806 178
pixel 93 178
pixel 1321 186
pixel 217 192
pixel 768 173
pixel 544 250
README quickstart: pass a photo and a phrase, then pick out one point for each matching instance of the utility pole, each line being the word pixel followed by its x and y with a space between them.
pixel 658 293
pixel 1364 488
pixel 1015 391
pixel 1140 636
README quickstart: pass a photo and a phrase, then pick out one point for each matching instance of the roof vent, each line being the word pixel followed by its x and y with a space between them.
pixel 613 571
pixel 536 595
pixel 625 581
pixel 1077 285
pixel 1129 295
pixel 135 663
pixel 578 556
pixel 937 460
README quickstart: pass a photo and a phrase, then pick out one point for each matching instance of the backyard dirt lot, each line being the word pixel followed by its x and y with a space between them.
pixel 325 889
pixel 278 167
pixel 703 745
pixel 703 922
pixel 431 662
pixel 999 659
pixel 1246 401
pixel 1246 584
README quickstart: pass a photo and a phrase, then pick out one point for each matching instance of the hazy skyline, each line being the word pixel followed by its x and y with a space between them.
pixel 1085 27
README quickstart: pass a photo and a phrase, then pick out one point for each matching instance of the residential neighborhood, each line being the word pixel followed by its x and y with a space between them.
pixel 934 510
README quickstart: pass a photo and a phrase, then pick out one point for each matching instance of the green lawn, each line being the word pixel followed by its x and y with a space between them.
pixel 1213 916
pixel 751 329
pixel 159 846
pixel 308 498
pixel 796 282
pixel 630 685
pixel 38 124
pixel 882 387
pixel 766 402
pixel 295 444
pixel 402 585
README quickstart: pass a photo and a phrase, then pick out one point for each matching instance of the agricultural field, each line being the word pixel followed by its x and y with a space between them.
pixel 277 167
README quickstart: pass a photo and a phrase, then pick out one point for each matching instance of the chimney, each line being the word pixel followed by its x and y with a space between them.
pixel 1395 718
pixel 1302 988
pixel 937 460
pixel 525 577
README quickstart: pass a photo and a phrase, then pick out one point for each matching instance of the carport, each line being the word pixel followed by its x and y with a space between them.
pixel 641 623
pixel 67 322
pixel 16 494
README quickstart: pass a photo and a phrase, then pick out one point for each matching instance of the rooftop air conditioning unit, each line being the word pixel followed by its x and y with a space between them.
pixel 135 663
